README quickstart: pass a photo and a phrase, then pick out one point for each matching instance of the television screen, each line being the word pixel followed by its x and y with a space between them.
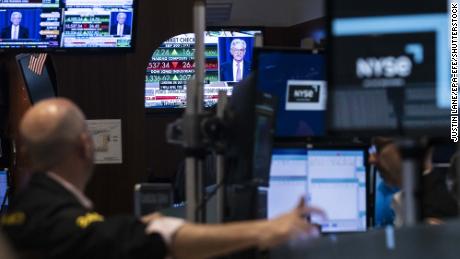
pixel 97 24
pixel 228 61
pixel 55 24
pixel 297 78
pixel 389 67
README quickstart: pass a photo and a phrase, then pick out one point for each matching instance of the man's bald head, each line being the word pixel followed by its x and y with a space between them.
pixel 51 131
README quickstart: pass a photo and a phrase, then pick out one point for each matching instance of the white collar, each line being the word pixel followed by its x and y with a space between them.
pixel 84 201
pixel 235 62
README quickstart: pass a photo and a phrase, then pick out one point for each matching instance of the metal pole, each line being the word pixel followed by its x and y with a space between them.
pixel 409 169
pixel 193 169
pixel 199 14
pixel 220 162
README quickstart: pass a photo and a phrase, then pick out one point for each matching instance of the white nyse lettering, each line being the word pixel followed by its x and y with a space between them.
pixel 385 66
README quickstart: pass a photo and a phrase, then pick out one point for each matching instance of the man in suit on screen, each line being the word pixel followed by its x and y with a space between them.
pixel 238 68
pixel 120 28
pixel 15 31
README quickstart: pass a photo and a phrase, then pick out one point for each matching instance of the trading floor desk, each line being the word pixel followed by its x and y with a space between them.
pixel 420 242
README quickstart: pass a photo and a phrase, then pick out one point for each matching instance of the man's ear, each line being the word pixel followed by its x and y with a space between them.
pixel 86 145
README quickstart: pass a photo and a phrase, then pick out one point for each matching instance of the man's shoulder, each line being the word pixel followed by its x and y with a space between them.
pixel 42 192
pixel 227 64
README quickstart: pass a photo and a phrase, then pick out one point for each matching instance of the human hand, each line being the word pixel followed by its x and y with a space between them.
pixel 151 217
pixel 289 226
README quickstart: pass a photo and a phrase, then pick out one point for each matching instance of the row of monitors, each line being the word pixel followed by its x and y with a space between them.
pixel 389 72
pixel 55 24
pixel 335 179
pixel 297 78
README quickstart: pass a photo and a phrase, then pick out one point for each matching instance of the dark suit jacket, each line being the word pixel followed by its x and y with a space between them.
pixel 126 29
pixel 23 32
pixel 46 219
pixel 226 70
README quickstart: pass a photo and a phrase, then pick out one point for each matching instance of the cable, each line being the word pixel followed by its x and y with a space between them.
pixel 208 196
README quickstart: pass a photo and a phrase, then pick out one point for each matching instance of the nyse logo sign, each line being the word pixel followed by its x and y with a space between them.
pixel 303 95
pixel 387 67
pixel 389 71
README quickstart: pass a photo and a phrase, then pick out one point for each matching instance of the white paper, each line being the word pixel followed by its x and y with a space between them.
pixel 107 141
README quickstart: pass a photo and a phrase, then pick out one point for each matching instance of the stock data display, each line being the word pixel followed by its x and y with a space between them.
pixel 56 24
pixel 106 24
pixel 338 177
pixel 172 66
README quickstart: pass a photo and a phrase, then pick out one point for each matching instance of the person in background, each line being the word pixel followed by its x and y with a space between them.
pixel 384 155
pixel 15 31
pixel 54 218
pixel 120 28
pixel 438 203
pixel 238 68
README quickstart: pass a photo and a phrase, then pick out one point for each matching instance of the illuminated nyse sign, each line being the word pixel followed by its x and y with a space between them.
pixel 389 66
pixel 389 71
pixel 303 95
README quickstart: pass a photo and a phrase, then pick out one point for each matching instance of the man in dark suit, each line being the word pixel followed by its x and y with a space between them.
pixel 120 29
pixel 53 218
pixel 15 31
pixel 238 68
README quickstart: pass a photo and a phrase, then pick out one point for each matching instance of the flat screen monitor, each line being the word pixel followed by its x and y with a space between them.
pixel 3 187
pixel 40 82
pixel 228 61
pixel 288 180
pixel 334 179
pixel 337 182
pixel 389 68
pixel 46 25
pixel 297 78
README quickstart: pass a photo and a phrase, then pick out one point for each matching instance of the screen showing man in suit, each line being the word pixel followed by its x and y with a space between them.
pixel 15 31
pixel 238 67
pixel 121 27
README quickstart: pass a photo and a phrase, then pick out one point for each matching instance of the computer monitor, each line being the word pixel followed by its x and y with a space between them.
pixel 49 25
pixel 297 77
pixel 389 69
pixel 288 179
pixel 3 188
pixel 40 82
pixel 337 180
pixel 332 178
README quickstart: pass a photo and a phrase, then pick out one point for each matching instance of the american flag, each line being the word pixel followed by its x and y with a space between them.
pixel 37 62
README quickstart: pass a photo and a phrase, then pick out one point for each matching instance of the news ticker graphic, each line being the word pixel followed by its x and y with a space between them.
pixel 454 70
